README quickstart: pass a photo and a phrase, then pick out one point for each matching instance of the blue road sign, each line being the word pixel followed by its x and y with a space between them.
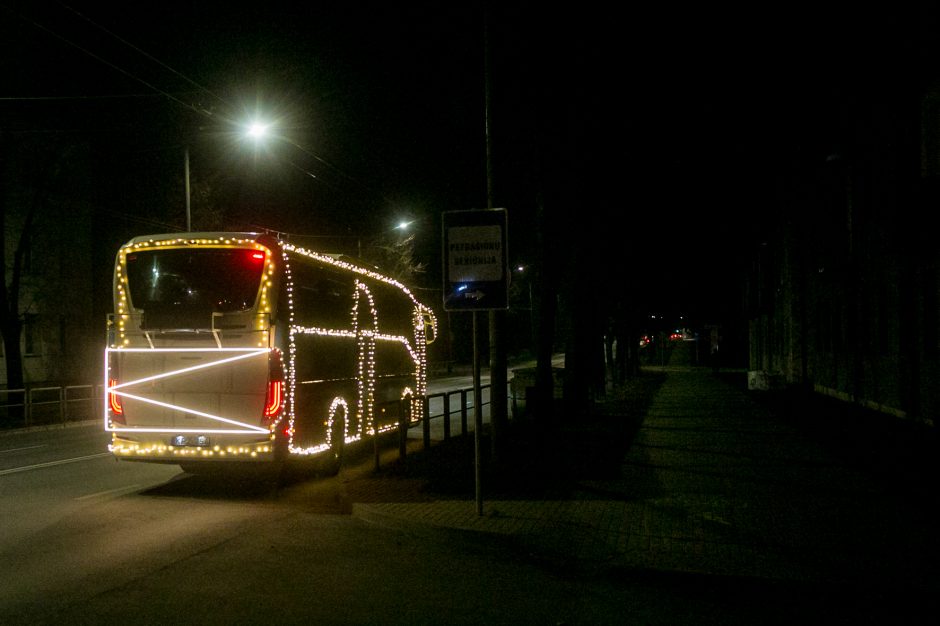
pixel 476 265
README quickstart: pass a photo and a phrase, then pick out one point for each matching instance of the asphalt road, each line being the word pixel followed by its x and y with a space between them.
pixel 89 540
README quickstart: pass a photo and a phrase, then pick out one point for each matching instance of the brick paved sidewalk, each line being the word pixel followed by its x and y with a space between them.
pixel 712 482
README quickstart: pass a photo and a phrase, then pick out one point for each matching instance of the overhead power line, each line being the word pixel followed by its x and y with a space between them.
pixel 166 94
pixel 147 55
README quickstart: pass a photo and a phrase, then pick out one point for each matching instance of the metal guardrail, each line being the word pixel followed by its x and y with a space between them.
pixel 447 408
pixel 35 406
pixel 51 405
pixel 38 406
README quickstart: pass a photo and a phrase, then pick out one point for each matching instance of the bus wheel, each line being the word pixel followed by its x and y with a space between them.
pixel 192 468
pixel 337 444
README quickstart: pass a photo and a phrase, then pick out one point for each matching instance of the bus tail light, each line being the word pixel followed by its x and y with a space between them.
pixel 274 398
pixel 114 403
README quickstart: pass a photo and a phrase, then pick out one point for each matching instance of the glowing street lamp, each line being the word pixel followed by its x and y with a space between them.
pixel 257 131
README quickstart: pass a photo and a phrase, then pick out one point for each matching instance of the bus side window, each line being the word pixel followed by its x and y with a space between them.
pixel 321 299
pixel 395 310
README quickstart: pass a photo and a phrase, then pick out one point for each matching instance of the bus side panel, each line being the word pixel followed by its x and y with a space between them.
pixel 312 411
pixel 395 377
pixel 325 368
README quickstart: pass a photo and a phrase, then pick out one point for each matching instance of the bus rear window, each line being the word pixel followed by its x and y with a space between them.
pixel 223 280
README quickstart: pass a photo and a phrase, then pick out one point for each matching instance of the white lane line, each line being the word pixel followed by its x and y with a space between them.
pixel 26 468
pixel 42 445
pixel 109 492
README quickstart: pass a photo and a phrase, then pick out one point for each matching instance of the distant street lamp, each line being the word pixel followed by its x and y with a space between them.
pixel 524 273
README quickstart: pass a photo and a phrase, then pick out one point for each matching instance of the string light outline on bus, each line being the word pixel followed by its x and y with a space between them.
pixel 123 316
pixel 326 332
pixel 324 258
pixel 324 447
pixel 239 243
pixel 251 352
pixel 112 389
pixel 231 450
pixel 334 405
pixel 291 352
pixel 366 371
pixel 181 409
pixel 367 338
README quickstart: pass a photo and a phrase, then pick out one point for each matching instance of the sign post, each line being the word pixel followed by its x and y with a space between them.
pixel 476 278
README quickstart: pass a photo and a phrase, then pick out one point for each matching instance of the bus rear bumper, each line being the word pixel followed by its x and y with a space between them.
pixel 158 449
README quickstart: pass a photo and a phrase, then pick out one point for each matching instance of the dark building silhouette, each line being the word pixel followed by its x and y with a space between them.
pixel 842 290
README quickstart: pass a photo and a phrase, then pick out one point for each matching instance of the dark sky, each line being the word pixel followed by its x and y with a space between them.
pixel 380 107
pixel 377 108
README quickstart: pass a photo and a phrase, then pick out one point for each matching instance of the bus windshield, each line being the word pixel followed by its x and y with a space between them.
pixel 224 280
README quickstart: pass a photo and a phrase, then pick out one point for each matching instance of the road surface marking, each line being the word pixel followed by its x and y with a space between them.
pixel 26 468
pixel 108 492
pixel 42 445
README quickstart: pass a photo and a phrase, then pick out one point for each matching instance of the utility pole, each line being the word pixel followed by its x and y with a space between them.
pixel 189 224
pixel 497 318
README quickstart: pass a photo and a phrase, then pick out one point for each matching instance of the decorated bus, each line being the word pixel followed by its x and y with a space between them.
pixel 231 348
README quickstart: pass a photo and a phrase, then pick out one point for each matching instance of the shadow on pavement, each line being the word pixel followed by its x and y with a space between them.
pixel 901 456
pixel 544 458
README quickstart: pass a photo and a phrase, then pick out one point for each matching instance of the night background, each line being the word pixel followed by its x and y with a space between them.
pixel 721 220
pixel 645 156
pixel 659 127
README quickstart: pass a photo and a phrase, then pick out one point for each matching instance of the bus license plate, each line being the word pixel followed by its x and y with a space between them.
pixel 190 440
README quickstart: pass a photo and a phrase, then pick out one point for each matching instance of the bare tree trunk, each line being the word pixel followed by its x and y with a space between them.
pixel 545 311
pixel 11 323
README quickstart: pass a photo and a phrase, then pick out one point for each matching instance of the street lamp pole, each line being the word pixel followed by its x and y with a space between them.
pixel 497 319
pixel 256 131
pixel 189 224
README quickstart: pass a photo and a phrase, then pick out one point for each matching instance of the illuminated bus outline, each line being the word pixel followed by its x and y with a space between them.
pixel 284 426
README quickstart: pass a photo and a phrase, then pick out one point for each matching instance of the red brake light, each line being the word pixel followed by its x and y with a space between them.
pixel 114 400
pixel 274 398
pixel 258 256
